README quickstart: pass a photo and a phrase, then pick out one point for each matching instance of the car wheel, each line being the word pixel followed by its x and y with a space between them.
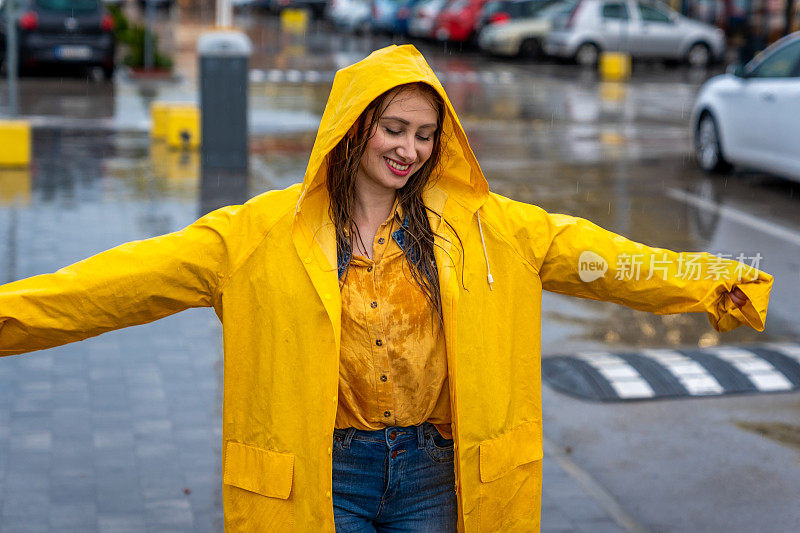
pixel 587 54
pixel 530 48
pixel 707 149
pixel 699 55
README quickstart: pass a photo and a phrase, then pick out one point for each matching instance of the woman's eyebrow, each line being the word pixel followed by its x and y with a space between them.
pixel 404 121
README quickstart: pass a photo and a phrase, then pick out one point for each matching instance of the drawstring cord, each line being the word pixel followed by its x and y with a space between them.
pixel 297 207
pixel 489 277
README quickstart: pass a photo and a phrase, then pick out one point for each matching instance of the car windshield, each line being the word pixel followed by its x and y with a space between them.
pixel 782 63
pixel 68 5
pixel 558 8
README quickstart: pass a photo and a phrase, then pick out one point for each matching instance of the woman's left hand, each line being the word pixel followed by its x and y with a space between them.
pixel 738 297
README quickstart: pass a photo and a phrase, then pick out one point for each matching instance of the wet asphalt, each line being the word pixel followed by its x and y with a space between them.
pixel 544 132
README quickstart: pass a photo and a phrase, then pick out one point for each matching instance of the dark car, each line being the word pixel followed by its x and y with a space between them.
pixel 65 32
pixel 316 7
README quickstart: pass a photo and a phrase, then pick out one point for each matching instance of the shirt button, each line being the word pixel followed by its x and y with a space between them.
pixel 373 305
pixel 387 414
pixel 369 269
pixel 381 240
pixel 329 451
pixel 383 377
pixel 379 342
pixel 328 494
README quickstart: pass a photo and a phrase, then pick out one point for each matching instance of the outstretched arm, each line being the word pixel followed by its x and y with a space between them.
pixel 582 259
pixel 131 284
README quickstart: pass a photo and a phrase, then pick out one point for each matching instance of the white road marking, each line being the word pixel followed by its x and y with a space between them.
pixel 770 228
pixel 789 350
pixel 760 372
pixel 693 376
pixel 294 76
pixel 624 379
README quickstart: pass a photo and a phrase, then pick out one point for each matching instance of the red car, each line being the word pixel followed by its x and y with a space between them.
pixel 457 20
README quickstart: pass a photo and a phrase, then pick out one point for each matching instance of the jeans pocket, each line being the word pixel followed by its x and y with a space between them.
pixel 439 449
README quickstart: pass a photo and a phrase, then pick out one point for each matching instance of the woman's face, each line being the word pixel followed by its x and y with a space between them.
pixel 400 144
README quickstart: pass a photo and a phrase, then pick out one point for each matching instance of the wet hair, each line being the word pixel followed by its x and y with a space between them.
pixel 342 165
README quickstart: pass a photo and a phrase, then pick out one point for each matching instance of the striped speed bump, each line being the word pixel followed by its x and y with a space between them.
pixel 315 76
pixel 656 373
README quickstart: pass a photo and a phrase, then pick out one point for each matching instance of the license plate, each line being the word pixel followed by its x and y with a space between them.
pixel 73 52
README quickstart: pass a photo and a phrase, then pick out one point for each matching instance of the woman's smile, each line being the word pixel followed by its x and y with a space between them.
pixel 397 168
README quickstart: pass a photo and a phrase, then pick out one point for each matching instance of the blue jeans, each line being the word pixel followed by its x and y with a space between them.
pixel 393 480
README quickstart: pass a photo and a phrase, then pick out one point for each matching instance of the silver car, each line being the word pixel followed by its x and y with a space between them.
pixel 644 29
pixel 750 117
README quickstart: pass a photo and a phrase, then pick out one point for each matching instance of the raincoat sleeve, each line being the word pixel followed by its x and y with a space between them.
pixel 582 259
pixel 131 284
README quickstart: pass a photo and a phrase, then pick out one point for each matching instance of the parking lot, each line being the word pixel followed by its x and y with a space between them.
pixel 122 432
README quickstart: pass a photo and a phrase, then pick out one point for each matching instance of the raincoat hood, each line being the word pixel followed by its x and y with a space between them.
pixel 356 86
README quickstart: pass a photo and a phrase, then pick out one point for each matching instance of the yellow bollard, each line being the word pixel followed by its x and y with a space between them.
pixel 294 20
pixel 15 143
pixel 158 116
pixel 183 127
pixel 158 119
pixel 615 66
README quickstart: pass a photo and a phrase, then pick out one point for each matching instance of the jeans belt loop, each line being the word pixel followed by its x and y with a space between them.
pixel 421 436
pixel 348 437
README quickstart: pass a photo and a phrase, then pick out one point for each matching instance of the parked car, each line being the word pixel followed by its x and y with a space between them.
pixel 457 20
pixel 750 116
pixel 391 16
pixel 350 15
pixel 518 27
pixel 644 29
pixel 66 32
pixel 423 17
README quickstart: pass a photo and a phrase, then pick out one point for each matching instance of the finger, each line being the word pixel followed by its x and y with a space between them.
pixel 737 300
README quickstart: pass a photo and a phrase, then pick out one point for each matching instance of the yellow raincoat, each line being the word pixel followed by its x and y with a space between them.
pixel 268 268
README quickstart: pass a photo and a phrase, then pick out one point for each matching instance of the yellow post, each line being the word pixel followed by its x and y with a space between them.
pixel 294 20
pixel 158 119
pixel 183 127
pixel 615 66
pixel 15 143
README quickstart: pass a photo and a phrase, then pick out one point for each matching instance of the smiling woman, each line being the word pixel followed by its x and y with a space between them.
pixel 381 319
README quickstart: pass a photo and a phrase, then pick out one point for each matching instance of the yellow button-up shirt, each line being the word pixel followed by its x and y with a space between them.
pixel 393 366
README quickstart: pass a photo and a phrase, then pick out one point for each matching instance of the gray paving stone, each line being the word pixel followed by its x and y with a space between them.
pixel 77 515
pixel 120 523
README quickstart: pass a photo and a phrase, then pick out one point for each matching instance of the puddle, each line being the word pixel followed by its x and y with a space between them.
pixel 786 434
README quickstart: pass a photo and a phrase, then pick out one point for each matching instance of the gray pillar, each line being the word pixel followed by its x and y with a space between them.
pixel 223 116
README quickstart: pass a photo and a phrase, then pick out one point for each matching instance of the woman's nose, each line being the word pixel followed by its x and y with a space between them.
pixel 406 148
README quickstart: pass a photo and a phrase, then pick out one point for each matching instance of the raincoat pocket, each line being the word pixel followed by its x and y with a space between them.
pixel 257 470
pixel 520 445
pixel 511 479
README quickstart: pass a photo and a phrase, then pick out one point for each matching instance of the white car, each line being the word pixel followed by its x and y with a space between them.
pixel 646 29
pixel 751 115
pixel 522 35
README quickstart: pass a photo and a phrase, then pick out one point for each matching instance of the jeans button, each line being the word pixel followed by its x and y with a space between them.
pixel 394 454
